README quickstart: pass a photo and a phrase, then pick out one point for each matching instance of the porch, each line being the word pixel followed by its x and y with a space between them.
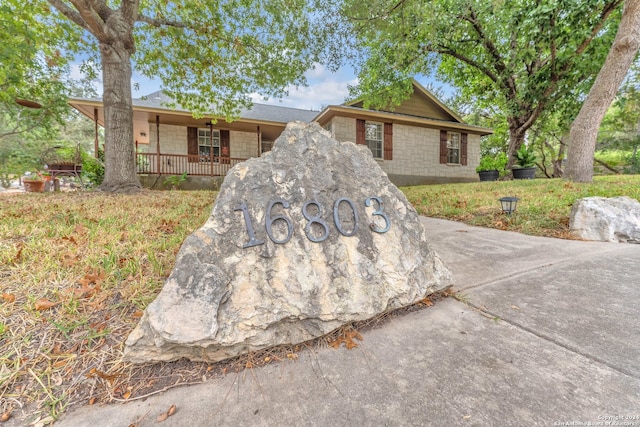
pixel 177 164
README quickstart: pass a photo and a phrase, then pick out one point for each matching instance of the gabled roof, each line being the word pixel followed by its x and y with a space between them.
pixel 422 96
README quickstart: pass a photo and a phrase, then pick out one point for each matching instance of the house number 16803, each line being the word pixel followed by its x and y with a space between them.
pixel 312 212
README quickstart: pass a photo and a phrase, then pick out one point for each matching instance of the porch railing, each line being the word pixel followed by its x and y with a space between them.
pixel 177 164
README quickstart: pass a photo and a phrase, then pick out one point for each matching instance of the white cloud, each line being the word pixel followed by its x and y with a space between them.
pixel 325 88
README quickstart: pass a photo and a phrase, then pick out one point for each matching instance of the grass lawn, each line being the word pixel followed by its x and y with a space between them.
pixel 78 269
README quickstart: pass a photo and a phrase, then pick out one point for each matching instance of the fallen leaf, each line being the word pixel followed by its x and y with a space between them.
pixel 347 339
pixel 515 307
pixel 18 256
pixel 45 304
pixel 5 417
pixel 92 401
pixel 70 239
pixel 137 314
pixel 81 230
pixel 93 373
pixel 162 417
pixel 427 302
pixel 292 356
pixel 9 298
pixel 69 259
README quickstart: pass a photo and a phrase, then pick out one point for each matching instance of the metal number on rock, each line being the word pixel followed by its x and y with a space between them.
pixel 247 220
pixel 336 217
pixel 270 220
pixel 315 220
pixel 379 212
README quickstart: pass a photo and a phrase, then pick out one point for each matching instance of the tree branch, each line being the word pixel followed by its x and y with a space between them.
pixel 444 50
pixel 129 9
pixel 155 22
pixel 69 13
pixel 498 61
pixel 94 22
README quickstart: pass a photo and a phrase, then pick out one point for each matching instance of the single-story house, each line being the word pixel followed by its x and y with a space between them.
pixel 421 141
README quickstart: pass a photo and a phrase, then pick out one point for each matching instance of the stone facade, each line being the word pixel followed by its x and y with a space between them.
pixel 416 154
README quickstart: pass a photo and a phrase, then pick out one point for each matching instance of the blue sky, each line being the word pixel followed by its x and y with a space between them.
pixel 324 88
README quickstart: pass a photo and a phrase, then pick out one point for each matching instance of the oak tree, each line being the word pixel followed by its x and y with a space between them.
pixel 522 55
pixel 209 55
pixel 584 130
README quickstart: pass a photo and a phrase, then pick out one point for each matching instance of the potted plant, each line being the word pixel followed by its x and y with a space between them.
pixel 526 163
pixel 490 167
pixel 33 182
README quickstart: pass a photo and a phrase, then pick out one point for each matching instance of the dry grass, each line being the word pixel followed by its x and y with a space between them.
pixel 78 269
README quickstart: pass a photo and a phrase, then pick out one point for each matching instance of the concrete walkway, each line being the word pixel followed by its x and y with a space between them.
pixel 548 334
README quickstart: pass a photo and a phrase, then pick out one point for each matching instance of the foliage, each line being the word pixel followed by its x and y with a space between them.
pixel 174 181
pixel 93 168
pixel 526 156
pixel 620 128
pixel 522 56
pixel 31 68
pixel 492 162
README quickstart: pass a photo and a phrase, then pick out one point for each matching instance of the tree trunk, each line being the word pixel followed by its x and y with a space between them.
pixel 516 139
pixel 584 130
pixel 120 162
pixel 558 172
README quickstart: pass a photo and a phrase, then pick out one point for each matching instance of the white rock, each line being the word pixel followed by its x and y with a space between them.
pixel 604 219
pixel 223 300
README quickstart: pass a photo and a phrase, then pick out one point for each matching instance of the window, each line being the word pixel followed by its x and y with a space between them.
pixel 205 144
pixel 373 138
pixel 453 148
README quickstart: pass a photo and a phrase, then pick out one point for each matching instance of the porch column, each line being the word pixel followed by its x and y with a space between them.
pixel 158 143
pixel 95 140
pixel 210 125
pixel 258 136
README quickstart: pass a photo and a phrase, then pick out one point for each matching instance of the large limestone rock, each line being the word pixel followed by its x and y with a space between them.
pixel 235 290
pixel 604 219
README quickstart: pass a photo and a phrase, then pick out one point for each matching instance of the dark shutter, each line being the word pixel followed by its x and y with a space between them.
pixel 443 146
pixel 463 149
pixel 360 132
pixel 192 144
pixel 388 141
pixel 225 145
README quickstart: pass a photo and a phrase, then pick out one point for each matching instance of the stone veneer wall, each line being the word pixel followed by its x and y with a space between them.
pixel 173 140
pixel 416 154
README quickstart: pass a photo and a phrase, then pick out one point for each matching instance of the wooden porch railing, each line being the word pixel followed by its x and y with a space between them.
pixel 177 164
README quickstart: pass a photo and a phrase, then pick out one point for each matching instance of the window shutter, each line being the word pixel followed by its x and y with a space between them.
pixel 463 149
pixel 192 144
pixel 388 141
pixel 443 146
pixel 225 145
pixel 360 132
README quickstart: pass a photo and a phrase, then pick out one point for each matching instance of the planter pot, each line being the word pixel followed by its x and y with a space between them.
pixel 33 186
pixel 491 175
pixel 524 173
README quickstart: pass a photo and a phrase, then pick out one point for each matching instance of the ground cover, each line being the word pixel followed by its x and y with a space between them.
pixel 78 269
pixel 543 209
